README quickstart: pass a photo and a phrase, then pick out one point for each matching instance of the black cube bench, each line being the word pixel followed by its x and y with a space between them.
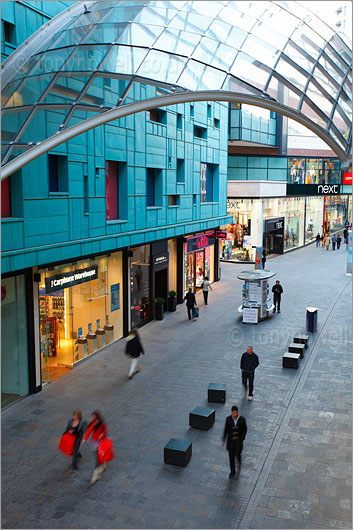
pixel 202 418
pixel 302 339
pixel 217 393
pixel 290 360
pixel 177 452
pixel 297 348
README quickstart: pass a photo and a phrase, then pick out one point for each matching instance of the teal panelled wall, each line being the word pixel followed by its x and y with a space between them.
pixel 257 168
pixel 27 17
pixel 247 126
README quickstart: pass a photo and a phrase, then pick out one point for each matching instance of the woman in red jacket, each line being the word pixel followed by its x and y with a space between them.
pixel 98 430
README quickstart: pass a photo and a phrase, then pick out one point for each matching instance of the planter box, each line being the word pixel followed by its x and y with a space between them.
pixel 172 304
pixel 159 311
pixel 177 452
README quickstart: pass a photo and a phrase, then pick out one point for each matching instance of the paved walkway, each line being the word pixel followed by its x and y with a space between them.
pixel 296 469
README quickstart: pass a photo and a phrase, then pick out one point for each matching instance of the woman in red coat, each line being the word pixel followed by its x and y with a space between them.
pixel 98 430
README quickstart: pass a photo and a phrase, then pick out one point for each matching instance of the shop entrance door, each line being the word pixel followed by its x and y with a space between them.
pixel 161 285
pixel 199 268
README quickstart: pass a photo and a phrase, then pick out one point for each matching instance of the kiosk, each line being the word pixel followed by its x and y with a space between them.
pixel 257 300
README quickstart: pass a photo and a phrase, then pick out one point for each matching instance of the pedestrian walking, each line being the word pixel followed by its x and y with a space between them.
pixel 263 258
pixel 190 302
pixel 234 431
pixel 205 286
pixel 248 364
pixel 75 428
pixel 133 349
pixel 277 290
pixel 98 430
pixel 318 239
pixel 334 241
pixel 339 241
pixel 345 235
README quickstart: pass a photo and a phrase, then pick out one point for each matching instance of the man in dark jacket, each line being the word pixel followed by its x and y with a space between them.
pixel 277 290
pixel 190 302
pixel 235 432
pixel 339 240
pixel 248 364
pixel 318 239
pixel 133 349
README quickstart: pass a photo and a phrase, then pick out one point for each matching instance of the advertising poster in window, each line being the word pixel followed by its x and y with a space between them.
pixel 115 297
pixel 250 315
pixel 253 292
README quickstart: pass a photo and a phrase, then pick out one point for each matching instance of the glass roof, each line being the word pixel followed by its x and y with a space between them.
pixel 88 63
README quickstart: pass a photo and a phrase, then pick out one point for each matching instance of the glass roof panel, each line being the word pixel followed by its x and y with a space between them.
pixel 201 77
pixel 233 84
pixel 69 37
pixel 210 9
pixel 139 35
pixel 307 39
pixel 326 81
pixel 104 33
pixel 211 52
pixel 269 54
pixel 149 15
pixel 104 91
pixel 331 68
pixel 162 67
pixel 50 61
pixel 80 115
pixel 300 57
pixel 43 124
pixel 123 60
pixel 308 108
pixel 85 58
pixel 337 59
pixel 345 104
pixel 232 12
pixel 224 32
pixel 250 70
pixel 91 18
pixel 177 41
pixel 30 91
pixel 190 21
pixel 267 34
pixel 65 89
pixel 11 122
pixel 8 93
pixel 280 20
pixel 318 98
pixel 292 74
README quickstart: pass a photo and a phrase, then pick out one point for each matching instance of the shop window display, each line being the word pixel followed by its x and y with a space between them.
pixel 314 217
pixel 336 212
pixel 140 285
pixel 81 313
pixel 198 265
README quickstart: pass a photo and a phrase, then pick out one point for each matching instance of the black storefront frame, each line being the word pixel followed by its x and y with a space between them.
pixel 128 288
pixel 271 226
pixel 211 234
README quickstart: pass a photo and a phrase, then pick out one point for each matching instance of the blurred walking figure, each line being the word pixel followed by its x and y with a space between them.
pixel 235 431
pixel 98 430
pixel 334 241
pixel 263 258
pixel 75 426
pixel 190 302
pixel 248 364
pixel 133 349
pixel 205 285
pixel 339 240
pixel 318 239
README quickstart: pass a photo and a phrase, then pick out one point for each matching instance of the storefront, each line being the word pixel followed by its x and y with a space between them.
pixel 14 346
pixel 238 244
pixel 313 218
pixel 140 285
pixel 273 235
pixel 336 212
pixel 80 310
pixel 199 260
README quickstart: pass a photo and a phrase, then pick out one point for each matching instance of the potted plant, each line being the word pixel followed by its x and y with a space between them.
pixel 172 301
pixel 159 308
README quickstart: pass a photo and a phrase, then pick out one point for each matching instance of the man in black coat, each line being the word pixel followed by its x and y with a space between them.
pixel 190 302
pixel 248 364
pixel 277 290
pixel 235 432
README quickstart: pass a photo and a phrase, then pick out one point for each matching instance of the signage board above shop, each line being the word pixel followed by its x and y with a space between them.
pixel 69 279
pixel 347 179
pixel 160 259
pixel 221 234
pixel 199 242
pixel 312 189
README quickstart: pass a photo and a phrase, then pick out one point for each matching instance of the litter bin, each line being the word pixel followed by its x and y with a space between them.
pixel 100 338
pixel 311 319
pixel 81 348
pixel 109 333
pixel 91 342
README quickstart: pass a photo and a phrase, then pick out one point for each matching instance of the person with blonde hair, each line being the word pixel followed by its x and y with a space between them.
pixel 75 426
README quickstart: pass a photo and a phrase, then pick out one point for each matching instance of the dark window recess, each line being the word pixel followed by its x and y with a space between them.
pixel 116 190
pixel 209 110
pixel 173 200
pixel 192 110
pixel 58 173
pixel 194 199
pixel 200 132
pixel 6 198
pixel 86 194
pixel 9 33
pixel 216 123
pixel 107 82
pixel 159 116
pixel 180 170
pixel 179 121
pixel 151 187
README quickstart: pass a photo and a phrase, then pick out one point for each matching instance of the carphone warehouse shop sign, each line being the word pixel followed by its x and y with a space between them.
pixel 69 279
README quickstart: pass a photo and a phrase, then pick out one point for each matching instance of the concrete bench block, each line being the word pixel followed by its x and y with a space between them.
pixel 202 418
pixel 291 360
pixel 177 452
pixel 217 393
pixel 297 348
pixel 302 339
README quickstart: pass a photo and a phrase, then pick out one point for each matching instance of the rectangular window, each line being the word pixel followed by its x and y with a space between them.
pixel 156 115
pixel 58 173
pixel 216 123
pixel 112 190
pixel 179 121
pixel 151 187
pixel 180 170
pixel 200 132
pixel 192 110
pixel 9 33
pixel 207 183
pixel 209 110
pixel 86 194
pixel 173 200
pixel 203 182
pixel 5 198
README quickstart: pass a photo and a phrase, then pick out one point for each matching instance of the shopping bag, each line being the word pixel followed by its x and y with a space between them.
pixel 67 443
pixel 105 450
pixel 195 312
